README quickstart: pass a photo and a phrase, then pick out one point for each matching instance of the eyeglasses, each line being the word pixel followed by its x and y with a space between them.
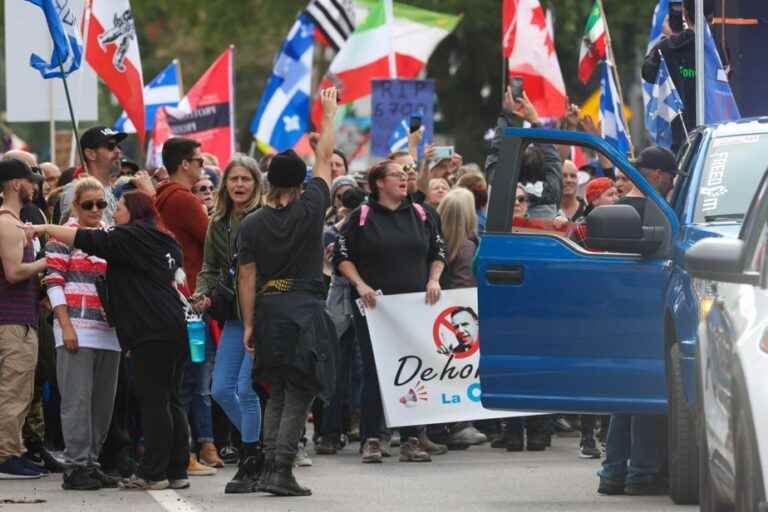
pixel 110 146
pixel 197 159
pixel 204 188
pixel 88 205
pixel 398 175
pixel 521 199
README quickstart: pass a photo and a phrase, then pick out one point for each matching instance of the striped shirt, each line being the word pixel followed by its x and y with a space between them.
pixel 71 276
pixel 18 302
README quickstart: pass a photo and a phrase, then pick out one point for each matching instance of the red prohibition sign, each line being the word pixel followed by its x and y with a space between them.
pixel 462 325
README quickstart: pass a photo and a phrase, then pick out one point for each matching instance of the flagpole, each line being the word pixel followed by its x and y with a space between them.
pixel 71 112
pixel 232 97
pixel 389 20
pixel 614 71
pixel 81 77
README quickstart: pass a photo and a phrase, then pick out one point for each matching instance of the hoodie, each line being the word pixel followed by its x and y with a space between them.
pixel 184 215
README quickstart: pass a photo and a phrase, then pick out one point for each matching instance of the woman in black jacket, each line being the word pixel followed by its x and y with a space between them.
pixel 393 245
pixel 143 260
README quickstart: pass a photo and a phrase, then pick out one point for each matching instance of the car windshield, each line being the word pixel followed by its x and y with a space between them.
pixel 732 173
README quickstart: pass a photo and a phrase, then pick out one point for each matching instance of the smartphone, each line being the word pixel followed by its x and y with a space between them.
pixel 676 16
pixel 442 152
pixel 516 85
pixel 415 124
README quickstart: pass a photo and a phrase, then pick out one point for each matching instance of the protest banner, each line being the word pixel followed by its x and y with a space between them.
pixel 393 103
pixel 427 358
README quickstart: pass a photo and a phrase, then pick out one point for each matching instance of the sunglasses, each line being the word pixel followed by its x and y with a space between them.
pixel 88 205
pixel 197 159
pixel 204 188
pixel 409 167
pixel 110 146
pixel 521 199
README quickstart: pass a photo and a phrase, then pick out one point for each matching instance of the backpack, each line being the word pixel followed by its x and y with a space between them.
pixel 365 209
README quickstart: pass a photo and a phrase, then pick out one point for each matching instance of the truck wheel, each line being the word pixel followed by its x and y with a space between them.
pixel 683 454
pixel 749 491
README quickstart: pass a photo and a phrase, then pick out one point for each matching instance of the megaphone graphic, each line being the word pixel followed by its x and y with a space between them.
pixel 414 395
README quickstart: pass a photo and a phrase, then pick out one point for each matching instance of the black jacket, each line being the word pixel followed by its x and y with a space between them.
pixel 141 265
pixel 548 184
pixel 393 251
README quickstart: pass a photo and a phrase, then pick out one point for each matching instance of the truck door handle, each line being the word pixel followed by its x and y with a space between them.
pixel 505 275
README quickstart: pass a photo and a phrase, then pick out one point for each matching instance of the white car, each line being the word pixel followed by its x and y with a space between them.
pixel 731 279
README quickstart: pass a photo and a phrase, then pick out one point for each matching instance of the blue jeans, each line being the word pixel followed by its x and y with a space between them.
pixel 635 448
pixel 232 387
pixel 196 394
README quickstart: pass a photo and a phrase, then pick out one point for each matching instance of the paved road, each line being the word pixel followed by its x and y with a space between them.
pixel 479 479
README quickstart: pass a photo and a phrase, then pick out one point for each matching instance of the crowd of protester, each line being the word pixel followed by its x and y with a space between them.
pixel 95 287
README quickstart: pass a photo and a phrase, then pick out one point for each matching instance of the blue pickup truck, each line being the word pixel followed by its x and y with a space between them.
pixel 613 329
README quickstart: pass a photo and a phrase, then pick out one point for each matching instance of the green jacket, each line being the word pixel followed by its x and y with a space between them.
pixel 219 252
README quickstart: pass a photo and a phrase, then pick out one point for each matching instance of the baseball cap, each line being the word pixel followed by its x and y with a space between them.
pixel 656 157
pixel 16 169
pixel 98 136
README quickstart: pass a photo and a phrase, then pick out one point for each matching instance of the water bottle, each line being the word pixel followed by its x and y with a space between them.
pixel 196 336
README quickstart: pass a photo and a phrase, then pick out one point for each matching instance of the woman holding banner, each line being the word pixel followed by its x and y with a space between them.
pixel 390 245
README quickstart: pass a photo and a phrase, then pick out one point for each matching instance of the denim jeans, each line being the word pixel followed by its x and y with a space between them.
pixel 635 448
pixel 232 386
pixel 196 394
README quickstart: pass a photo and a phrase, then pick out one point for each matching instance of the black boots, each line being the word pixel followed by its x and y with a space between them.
pixel 266 472
pixel 248 471
pixel 282 482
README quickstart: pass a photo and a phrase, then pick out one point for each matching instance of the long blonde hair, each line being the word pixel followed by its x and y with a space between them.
pixel 457 213
pixel 224 204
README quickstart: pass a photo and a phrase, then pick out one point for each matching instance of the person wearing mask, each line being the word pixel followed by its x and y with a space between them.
pixel 19 290
pixel 572 206
pixel 475 183
pixel 437 190
pixel 239 195
pixel 281 293
pixel 143 263
pixel 393 245
pixel 184 215
pixel 541 167
pixel 204 190
pixel 87 350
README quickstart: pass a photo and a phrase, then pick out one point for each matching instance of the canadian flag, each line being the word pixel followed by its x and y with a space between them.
pixel 529 47
pixel 112 50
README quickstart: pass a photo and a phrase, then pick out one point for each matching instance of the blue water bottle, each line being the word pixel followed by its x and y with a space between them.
pixel 196 336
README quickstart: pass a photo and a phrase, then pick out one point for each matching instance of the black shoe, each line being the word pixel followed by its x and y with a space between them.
pixel 537 442
pixel 282 482
pixel 656 487
pixel 610 487
pixel 588 448
pixel 265 474
pixel 246 477
pixel 106 481
pixel 80 479
pixel 41 457
pixel 514 444
pixel 328 445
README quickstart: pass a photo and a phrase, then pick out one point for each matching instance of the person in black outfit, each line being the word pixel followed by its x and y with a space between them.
pixel 394 245
pixel 281 291
pixel 144 305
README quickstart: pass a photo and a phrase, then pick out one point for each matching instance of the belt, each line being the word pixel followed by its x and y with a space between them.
pixel 286 285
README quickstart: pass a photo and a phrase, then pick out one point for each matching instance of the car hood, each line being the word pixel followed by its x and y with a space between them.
pixel 717 229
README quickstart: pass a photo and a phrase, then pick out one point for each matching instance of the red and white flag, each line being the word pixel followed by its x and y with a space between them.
pixel 205 114
pixel 529 47
pixel 112 50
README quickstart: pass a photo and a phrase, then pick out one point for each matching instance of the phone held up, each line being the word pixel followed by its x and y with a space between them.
pixel 415 124
pixel 516 86
pixel 442 152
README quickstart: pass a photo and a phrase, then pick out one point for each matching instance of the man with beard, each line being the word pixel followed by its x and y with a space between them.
pixel 18 317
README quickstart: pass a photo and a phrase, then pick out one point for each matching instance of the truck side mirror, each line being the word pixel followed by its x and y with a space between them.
pixel 719 259
pixel 619 228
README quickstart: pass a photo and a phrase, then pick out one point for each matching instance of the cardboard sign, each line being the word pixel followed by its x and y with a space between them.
pixel 427 358
pixel 393 103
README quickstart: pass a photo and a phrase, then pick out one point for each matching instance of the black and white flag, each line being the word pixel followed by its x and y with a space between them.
pixel 334 18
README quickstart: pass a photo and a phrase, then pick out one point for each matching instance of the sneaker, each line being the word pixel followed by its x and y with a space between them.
pixel 229 454
pixel 327 446
pixel 411 451
pixel 39 456
pixel 655 487
pixel 588 448
pixel 134 483
pixel 468 435
pixel 80 479
pixel 209 456
pixel 429 446
pixel 371 451
pixel 15 469
pixel 178 483
pixel 610 487
pixel 106 481
pixel 302 459
pixel 195 468
pixel 29 464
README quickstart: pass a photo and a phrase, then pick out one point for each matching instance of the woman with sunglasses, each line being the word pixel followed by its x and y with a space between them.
pixel 204 190
pixel 144 264
pixel 87 350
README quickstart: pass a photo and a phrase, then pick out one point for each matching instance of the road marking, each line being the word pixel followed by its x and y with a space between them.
pixel 171 501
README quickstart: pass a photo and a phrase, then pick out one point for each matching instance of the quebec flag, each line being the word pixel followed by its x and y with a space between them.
pixel 665 105
pixel 64 27
pixel 719 103
pixel 398 141
pixel 611 111
pixel 282 117
pixel 656 34
pixel 163 91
